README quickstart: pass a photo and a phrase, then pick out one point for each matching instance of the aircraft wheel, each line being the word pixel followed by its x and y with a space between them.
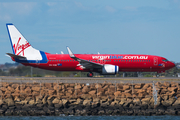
pixel 157 75
pixel 90 74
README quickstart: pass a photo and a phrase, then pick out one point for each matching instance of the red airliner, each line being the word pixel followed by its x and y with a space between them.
pixel 105 64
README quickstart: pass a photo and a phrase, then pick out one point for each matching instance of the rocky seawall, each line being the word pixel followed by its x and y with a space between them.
pixel 36 99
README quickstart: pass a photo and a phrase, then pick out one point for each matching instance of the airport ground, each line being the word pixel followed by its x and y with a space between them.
pixel 91 80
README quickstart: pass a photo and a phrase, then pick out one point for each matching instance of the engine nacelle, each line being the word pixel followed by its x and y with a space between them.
pixel 110 69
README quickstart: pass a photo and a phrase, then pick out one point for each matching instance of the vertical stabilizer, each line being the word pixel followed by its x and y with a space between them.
pixel 20 45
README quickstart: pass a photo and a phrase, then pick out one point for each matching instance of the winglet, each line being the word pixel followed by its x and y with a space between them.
pixel 70 53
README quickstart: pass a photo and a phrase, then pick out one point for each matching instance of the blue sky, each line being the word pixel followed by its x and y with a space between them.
pixel 90 26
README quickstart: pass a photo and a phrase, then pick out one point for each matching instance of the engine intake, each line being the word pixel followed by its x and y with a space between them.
pixel 110 69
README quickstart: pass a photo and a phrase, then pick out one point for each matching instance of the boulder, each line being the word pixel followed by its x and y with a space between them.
pixel 122 102
pixel 86 96
pixel 10 89
pixel 146 86
pixel 137 102
pixel 87 102
pixel 127 102
pixel 138 86
pixel 126 87
pixel 39 99
pixel 1 102
pixel 9 101
pixel 172 89
pixel 64 101
pixel 117 93
pixel 15 85
pixel 3 88
pixel 78 86
pixel 32 102
pixel 56 101
pixel 92 93
pixel 168 102
pixel 28 90
pixel 48 85
pixel 105 104
pixel 85 89
pixel 37 89
pixel 166 84
pixel 177 102
pixel 114 103
pixel 52 92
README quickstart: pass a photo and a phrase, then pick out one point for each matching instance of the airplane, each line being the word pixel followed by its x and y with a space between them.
pixel 105 64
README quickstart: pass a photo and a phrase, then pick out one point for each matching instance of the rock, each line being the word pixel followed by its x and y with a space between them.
pixel 172 88
pixel 168 102
pixel 146 100
pixel 28 90
pixel 37 89
pixel 52 92
pixel 92 93
pixel 138 86
pixel 9 101
pixel 86 96
pixel 1 102
pixel 177 102
pixel 87 102
pixel 48 85
pixel 101 112
pixel 64 102
pixel 117 93
pixel 39 99
pixel 15 86
pixel 85 89
pixel 78 101
pixel 146 86
pixel 105 104
pixel 114 103
pixel 126 87
pixel 122 102
pixel 78 86
pixel 128 95
pixel 32 102
pixel 127 102
pixel 166 84
pixel 10 89
pixel 56 101
pixel 137 102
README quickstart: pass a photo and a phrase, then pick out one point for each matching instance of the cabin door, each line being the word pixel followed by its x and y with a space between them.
pixel 155 61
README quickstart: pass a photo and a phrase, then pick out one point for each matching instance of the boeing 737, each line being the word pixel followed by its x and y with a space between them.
pixel 105 64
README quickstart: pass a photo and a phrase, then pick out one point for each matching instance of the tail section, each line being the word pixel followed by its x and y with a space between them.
pixel 20 45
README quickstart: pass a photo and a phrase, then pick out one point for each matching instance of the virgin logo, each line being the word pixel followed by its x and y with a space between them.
pixel 20 48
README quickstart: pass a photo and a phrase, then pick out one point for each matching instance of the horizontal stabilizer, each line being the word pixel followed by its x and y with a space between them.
pixel 16 56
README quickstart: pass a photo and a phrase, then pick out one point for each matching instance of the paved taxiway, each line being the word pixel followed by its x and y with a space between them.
pixel 89 80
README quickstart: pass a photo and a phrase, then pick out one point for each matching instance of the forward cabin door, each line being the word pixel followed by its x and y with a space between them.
pixel 155 61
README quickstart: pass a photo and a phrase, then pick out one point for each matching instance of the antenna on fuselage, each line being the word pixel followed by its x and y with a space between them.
pixel 62 52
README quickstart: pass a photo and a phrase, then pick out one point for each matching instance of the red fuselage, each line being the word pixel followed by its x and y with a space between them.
pixel 126 62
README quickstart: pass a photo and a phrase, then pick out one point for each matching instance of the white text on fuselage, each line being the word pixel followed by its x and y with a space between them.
pixel 119 57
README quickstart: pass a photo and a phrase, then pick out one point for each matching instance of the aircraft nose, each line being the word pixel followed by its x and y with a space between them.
pixel 171 64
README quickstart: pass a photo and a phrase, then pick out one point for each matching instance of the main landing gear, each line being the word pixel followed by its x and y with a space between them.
pixel 90 74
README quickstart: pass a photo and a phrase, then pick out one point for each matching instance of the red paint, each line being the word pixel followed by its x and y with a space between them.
pixel 126 65
pixel 22 47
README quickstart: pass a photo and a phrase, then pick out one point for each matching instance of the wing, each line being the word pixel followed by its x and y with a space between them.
pixel 84 63
pixel 16 56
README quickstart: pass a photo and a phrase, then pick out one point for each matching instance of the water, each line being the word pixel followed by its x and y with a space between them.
pixel 93 118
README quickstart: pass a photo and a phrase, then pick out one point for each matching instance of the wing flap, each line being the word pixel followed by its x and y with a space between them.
pixel 84 63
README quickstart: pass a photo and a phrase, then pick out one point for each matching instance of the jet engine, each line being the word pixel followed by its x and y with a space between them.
pixel 110 69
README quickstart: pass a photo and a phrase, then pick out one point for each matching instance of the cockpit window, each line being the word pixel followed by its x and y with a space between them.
pixel 165 60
